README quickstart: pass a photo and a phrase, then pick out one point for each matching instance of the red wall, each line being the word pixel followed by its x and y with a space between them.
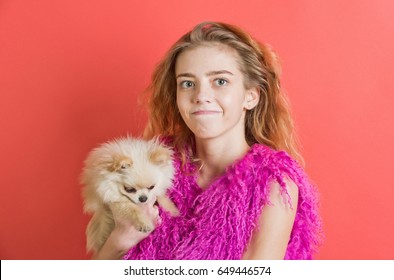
pixel 71 71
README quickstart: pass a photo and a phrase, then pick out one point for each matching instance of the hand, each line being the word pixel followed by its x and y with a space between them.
pixel 125 235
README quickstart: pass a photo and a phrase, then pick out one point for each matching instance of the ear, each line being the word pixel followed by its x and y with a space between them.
pixel 160 155
pixel 252 98
pixel 120 163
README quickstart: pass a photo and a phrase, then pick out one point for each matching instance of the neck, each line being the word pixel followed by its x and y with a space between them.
pixel 216 156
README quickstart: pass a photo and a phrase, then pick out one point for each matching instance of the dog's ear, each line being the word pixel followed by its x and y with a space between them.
pixel 120 163
pixel 160 155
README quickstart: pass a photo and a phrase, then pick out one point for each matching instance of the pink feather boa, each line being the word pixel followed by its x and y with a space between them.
pixel 217 223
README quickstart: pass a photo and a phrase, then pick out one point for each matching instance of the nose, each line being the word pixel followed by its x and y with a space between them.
pixel 203 93
pixel 143 198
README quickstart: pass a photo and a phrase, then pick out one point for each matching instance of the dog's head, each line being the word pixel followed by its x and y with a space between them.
pixel 136 169
pixel 145 174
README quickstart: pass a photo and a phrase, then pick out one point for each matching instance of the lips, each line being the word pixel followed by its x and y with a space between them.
pixel 205 112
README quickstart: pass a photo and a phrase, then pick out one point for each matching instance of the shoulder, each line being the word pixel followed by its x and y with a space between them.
pixel 288 192
pixel 165 140
pixel 278 170
pixel 276 162
pixel 268 156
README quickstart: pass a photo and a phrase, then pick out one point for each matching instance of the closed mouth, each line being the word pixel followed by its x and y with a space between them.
pixel 205 112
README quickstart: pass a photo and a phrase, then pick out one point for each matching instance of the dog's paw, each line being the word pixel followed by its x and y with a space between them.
pixel 143 227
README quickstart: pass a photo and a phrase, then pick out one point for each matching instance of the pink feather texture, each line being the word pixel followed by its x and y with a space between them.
pixel 217 223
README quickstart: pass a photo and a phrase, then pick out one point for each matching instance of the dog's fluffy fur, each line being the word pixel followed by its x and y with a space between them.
pixel 118 177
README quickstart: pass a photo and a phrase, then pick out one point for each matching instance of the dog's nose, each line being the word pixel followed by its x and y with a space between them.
pixel 142 198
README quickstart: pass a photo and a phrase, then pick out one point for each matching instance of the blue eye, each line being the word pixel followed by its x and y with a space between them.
pixel 187 84
pixel 220 82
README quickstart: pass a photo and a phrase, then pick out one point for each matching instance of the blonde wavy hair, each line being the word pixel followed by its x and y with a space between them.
pixel 268 123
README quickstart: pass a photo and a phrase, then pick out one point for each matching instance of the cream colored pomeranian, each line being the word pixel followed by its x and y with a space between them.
pixel 119 176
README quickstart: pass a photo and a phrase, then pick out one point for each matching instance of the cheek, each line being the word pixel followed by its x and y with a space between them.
pixel 234 102
pixel 178 102
pixel 182 105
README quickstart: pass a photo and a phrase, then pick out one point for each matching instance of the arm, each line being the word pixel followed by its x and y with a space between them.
pixel 124 236
pixel 121 239
pixel 276 222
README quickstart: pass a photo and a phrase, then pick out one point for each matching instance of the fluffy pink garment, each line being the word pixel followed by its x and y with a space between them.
pixel 217 223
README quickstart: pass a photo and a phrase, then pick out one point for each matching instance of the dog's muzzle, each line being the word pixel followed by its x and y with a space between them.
pixel 143 198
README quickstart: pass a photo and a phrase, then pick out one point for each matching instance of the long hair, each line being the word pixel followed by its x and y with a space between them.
pixel 268 123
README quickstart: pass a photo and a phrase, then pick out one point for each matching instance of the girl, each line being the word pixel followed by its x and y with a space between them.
pixel 216 99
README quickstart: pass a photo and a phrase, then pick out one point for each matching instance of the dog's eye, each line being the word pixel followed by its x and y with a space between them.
pixel 151 187
pixel 130 189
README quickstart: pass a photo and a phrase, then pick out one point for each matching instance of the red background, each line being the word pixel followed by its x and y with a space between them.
pixel 70 76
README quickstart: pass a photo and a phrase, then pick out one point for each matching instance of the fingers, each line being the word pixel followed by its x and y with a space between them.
pixel 156 215
pixel 154 211
pixel 158 221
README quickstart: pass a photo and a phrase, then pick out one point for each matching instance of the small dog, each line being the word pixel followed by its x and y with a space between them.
pixel 119 176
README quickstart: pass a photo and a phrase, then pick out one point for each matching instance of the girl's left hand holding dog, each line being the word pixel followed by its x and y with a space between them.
pixel 125 235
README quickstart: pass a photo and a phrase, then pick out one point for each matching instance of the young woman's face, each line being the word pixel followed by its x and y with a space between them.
pixel 211 96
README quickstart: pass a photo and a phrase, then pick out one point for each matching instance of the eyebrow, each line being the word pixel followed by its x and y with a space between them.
pixel 211 73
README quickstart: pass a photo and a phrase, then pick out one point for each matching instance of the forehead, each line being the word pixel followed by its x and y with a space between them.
pixel 207 57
